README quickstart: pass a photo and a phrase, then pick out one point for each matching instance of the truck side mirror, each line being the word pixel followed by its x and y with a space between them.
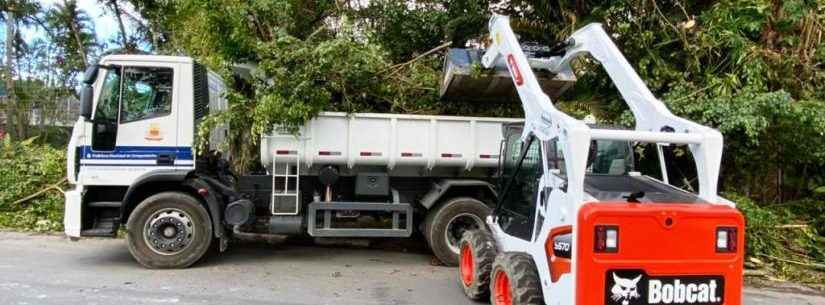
pixel 90 75
pixel 86 95
pixel 87 92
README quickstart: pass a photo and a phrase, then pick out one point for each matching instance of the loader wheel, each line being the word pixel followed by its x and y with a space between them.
pixel 478 251
pixel 168 230
pixel 515 281
pixel 445 226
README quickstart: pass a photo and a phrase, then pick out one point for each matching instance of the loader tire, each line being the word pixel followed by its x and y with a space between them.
pixel 169 230
pixel 445 225
pixel 478 251
pixel 515 281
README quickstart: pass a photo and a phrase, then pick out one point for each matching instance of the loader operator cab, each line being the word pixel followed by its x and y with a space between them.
pixel 522 167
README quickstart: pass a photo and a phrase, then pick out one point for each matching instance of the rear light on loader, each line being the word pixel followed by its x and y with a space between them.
pixel 607 239
pixel 726 239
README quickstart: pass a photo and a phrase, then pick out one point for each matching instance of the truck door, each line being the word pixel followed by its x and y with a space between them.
pixel 134 127
pixel 522 170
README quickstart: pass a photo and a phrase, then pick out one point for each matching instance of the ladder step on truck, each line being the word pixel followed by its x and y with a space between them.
pixel 107 221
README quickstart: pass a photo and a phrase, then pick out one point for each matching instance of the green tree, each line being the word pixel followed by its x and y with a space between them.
pixel 16 14
pixel 73 34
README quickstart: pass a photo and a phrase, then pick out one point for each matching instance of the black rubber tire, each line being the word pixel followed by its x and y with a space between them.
pixel 525 286
pixel 482 250
pixel 202 226
pixel 437 220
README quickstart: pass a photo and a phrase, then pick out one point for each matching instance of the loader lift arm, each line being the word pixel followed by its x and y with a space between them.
pixel 654 122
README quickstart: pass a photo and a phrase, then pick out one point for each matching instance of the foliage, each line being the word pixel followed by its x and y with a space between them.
pixel 25 168
pixel 41 73
pixel 751 68
pixel 785 238
pixel 71 30
pixel 754 69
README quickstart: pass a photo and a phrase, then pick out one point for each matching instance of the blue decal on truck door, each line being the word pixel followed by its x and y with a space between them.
pixel 138 156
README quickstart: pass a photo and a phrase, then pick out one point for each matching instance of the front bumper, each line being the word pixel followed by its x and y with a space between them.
pixel 72 212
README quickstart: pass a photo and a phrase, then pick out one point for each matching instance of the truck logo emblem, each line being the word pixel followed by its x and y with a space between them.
pixel 153 134
pixel 625 289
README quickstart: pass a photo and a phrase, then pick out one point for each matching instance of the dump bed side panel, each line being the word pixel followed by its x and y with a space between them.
pixel 666 254
pixel 390 140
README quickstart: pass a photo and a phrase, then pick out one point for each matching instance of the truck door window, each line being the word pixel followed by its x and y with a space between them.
pixel 518 207
pixel 105 118
pixel 147 93
pixel 108 101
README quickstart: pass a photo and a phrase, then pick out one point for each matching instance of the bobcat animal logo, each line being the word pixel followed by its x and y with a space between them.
pixel 624 289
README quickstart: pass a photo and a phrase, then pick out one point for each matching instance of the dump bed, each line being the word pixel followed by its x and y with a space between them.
pixel 389 140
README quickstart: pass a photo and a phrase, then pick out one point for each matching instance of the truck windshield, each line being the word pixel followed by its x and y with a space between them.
pixel 607 157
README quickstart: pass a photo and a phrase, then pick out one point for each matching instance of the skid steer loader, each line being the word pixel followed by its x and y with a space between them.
pixel 575 224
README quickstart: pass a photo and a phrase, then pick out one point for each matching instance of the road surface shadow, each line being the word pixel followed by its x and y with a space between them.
pixel 298 250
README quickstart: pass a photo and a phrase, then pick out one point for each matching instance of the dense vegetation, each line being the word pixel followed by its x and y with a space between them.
pixel 25 169
pixel 754 69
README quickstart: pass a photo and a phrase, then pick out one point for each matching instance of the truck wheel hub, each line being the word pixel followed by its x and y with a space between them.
pixel 457 226
pixel 169 231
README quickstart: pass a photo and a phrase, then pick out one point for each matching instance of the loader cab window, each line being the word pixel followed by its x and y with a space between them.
pixel 147 93
pixel 610 158
pixel 105 116
pixel 606 157
pixel 523 169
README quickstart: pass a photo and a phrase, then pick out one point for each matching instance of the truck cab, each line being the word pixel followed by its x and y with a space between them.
pixel 136 129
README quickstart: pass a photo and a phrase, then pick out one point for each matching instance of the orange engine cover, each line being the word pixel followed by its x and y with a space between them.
pixel 666 255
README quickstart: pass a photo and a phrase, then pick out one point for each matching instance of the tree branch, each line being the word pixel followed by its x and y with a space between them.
pixel 42 191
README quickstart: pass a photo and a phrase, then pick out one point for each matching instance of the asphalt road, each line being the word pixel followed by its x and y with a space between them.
pixel 40 269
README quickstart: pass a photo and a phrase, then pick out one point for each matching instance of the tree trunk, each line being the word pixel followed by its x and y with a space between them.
pixel 123 36
pixel 76 34
pixel 8 76
pixel 23 113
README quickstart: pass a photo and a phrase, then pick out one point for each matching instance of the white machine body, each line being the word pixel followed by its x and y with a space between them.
pixel 571 137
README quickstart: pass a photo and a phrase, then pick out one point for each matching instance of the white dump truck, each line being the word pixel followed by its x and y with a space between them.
pixel 132 162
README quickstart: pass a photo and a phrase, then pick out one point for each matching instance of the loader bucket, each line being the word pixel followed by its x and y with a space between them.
pixel 460 82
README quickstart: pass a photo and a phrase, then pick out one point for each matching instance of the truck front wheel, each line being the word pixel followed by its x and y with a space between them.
pixel 169 230
pixel 445 226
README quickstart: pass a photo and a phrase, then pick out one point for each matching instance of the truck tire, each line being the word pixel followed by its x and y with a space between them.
pixel 515 281
pixel 445 225
pixel 169 230
pixel 478 251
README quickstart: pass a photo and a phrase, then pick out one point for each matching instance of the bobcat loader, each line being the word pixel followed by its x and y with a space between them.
pixel 574 224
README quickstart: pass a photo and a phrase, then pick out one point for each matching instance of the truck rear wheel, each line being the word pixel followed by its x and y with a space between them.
pixel 445 226
pixel 478 251
pixel 515 281
pixel 168 230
